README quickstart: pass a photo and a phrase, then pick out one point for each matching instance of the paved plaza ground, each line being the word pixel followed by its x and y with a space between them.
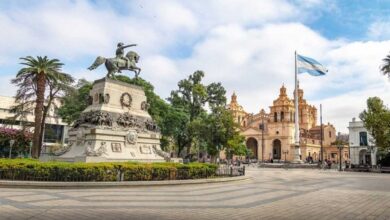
pixel 270 194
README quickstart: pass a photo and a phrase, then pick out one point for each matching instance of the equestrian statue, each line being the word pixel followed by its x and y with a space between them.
pixel 120 62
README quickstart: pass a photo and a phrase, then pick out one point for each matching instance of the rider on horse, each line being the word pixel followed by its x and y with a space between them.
pixel 120 53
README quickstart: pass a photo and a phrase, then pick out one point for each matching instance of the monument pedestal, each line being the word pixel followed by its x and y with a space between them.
pixel 297 155
pixel 116 126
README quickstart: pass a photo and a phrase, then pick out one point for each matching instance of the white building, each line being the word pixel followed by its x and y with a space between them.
pixel 55 129
pixel 360 144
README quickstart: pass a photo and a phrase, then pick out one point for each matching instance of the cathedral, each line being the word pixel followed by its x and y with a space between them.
pixel 270 135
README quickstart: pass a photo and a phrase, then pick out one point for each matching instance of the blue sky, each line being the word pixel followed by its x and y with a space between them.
pixel 248 45
pixel 350 19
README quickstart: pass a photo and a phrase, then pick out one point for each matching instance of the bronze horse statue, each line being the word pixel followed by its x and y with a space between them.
pixel 116 64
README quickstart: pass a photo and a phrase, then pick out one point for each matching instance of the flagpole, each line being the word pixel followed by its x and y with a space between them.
pixel 322 134
pixel 297 150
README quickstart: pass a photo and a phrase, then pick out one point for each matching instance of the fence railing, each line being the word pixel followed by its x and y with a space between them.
pixel 230 171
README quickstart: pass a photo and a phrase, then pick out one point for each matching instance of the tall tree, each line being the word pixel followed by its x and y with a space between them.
pixel 192 97
pixel 376 120
pixel 75 101
pixel 220 132
pixel 56 90
pixel 385 68
pixel 34 75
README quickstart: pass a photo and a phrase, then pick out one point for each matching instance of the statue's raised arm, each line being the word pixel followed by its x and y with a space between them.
pixel 130 45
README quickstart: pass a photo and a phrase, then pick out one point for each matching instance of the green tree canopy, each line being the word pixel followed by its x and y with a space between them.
pixel 192 97
pixel 75 101
pixel 376 120
pixel 220 132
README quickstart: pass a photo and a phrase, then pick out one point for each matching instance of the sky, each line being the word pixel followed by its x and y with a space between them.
pixel 247 45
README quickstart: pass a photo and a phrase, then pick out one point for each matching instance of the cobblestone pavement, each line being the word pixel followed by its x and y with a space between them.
pixel 271 194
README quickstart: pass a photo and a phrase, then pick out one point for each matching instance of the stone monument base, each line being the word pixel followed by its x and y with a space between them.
pixel 115 127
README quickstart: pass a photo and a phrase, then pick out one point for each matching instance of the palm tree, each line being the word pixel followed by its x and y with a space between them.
pixel 36 73
pixel 385 68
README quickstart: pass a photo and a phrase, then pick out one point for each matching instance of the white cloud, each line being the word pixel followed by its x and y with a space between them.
pixel 248 45
pixel 255 62
pixel 379 30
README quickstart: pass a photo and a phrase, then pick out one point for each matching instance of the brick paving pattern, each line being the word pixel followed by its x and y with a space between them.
pixel 271 194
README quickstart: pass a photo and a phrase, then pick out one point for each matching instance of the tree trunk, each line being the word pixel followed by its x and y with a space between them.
pixel 45 111
pixel 41 83
pixel 42 130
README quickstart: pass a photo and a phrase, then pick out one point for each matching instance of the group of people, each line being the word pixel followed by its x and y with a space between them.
pixel 309 159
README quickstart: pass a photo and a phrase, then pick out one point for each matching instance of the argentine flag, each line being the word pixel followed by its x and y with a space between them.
pixel 311 66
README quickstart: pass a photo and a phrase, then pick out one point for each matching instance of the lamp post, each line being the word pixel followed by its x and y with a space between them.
pixel 340 147
pixel 30 145
pixel 261 127
pixel 11 143
pixel 285 155
pixel 218 149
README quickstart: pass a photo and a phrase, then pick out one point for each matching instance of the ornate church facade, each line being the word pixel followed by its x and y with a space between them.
pixel 270 135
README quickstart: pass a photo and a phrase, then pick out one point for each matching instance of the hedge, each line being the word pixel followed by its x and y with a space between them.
pixel 28 169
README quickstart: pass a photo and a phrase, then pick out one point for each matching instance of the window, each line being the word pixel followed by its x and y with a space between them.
pixel 330 134
pixel 275 117
pixel 363 138
pixel 53 133
pixel 281 116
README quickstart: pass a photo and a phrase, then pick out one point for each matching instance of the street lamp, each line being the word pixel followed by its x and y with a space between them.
pixel 218 149
pixel 340 147
pixel 11 143
pixel 30 145
pixel 285 155
pixel 261 127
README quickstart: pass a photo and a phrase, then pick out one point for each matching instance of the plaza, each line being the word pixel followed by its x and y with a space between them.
pixel 267 194
pixel 171 109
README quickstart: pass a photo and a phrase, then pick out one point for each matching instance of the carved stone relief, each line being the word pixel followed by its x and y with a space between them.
pixel 116 147
pixel 126 120
pixel 106 98
pixel 90 151
pixel 132 137
pixel 145 150
pixel 144 106
pixel 94 117
pixel 63 150
pixel 101 98
pixel 126 100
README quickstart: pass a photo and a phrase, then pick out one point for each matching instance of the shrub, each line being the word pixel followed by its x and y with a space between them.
pixel 28 169
pixel 22 139
pixel 385 161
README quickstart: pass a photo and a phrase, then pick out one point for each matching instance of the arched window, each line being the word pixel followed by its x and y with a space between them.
pixel 282 116
pixel 275 117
